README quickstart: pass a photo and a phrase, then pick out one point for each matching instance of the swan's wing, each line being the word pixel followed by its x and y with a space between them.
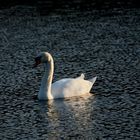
pixel 82 76
pixel 70 87
pixel 93 80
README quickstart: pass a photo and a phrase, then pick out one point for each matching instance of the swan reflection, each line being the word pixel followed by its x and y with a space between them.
pixel 71 114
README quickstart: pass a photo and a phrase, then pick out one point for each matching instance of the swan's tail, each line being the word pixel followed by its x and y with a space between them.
pixel 93 80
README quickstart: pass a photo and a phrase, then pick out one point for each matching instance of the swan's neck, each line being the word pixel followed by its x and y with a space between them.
pixel 45 89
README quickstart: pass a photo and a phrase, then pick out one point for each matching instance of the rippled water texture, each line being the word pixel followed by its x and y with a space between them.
pixel 101 43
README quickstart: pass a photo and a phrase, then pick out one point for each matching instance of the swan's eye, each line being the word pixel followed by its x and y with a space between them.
pixel 37 61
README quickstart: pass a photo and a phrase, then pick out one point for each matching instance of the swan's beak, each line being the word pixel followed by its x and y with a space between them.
pixel 37 62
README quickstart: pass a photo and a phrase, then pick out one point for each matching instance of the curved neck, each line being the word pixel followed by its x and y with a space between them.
pixel 45 89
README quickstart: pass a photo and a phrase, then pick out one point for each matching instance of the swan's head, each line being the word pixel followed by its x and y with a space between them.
pixel 43 57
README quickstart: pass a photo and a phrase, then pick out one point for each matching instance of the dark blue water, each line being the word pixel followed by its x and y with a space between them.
pixel 94 43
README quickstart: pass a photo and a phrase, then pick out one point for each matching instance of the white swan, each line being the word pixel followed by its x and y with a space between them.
pixel 63 88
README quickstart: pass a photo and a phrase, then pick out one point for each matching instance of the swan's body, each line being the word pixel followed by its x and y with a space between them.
pixel 63 88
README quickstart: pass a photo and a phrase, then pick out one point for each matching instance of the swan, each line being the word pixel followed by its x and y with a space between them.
pixel 64 88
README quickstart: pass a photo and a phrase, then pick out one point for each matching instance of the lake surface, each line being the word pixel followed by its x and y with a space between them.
pixel 101 43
